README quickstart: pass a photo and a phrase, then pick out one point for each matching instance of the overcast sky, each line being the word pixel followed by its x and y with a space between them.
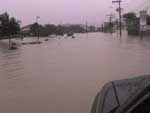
pixel 64 11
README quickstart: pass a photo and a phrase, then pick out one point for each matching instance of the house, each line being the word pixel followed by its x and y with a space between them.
pixel 26 30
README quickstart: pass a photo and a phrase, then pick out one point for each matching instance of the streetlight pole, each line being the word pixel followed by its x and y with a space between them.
pixel 37 18
pixel 119 10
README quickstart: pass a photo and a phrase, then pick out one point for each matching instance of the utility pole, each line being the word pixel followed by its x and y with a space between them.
pixel 119 10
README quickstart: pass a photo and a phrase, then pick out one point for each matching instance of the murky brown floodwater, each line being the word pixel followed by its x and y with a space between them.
pixel 64 75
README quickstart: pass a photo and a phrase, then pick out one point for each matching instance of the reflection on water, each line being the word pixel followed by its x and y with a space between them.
pixel 64 75
pixel 11 68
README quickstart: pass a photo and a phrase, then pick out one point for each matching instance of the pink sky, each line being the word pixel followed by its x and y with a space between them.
pixel 63 11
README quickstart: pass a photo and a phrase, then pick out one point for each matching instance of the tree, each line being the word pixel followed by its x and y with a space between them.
pixel 35 29
pixel 129 17
pixel 132 23
pixel 148 20
pixel 14 26
pixel 9 26
pixel 50 29
pixel 40 30
pixel 60 30
pixel 92 28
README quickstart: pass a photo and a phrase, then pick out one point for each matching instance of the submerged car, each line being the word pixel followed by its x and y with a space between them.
pixel 124 96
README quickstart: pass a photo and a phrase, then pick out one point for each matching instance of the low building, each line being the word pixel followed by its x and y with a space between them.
pixel 26 30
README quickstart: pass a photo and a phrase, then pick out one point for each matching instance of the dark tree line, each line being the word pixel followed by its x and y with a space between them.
pixel 132 23
pixel 49 29
pixel 8 25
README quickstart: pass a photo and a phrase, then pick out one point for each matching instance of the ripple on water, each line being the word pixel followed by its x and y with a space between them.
pixel 11 69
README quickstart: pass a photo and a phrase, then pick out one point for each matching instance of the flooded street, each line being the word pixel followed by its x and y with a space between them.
pixel 64 75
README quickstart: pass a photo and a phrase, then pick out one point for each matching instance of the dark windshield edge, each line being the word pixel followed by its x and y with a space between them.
pixel 115 91
pixel 136 99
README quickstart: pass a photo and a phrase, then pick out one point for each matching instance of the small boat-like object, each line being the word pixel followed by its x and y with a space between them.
pixel 124 96
pixel 46 39
pixel 13 46
pixel 73 36
pixel 69 34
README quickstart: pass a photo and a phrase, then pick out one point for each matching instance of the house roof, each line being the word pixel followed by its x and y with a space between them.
pixel 26 28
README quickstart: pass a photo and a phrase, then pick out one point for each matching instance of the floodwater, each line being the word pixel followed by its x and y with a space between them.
pixel 64 75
